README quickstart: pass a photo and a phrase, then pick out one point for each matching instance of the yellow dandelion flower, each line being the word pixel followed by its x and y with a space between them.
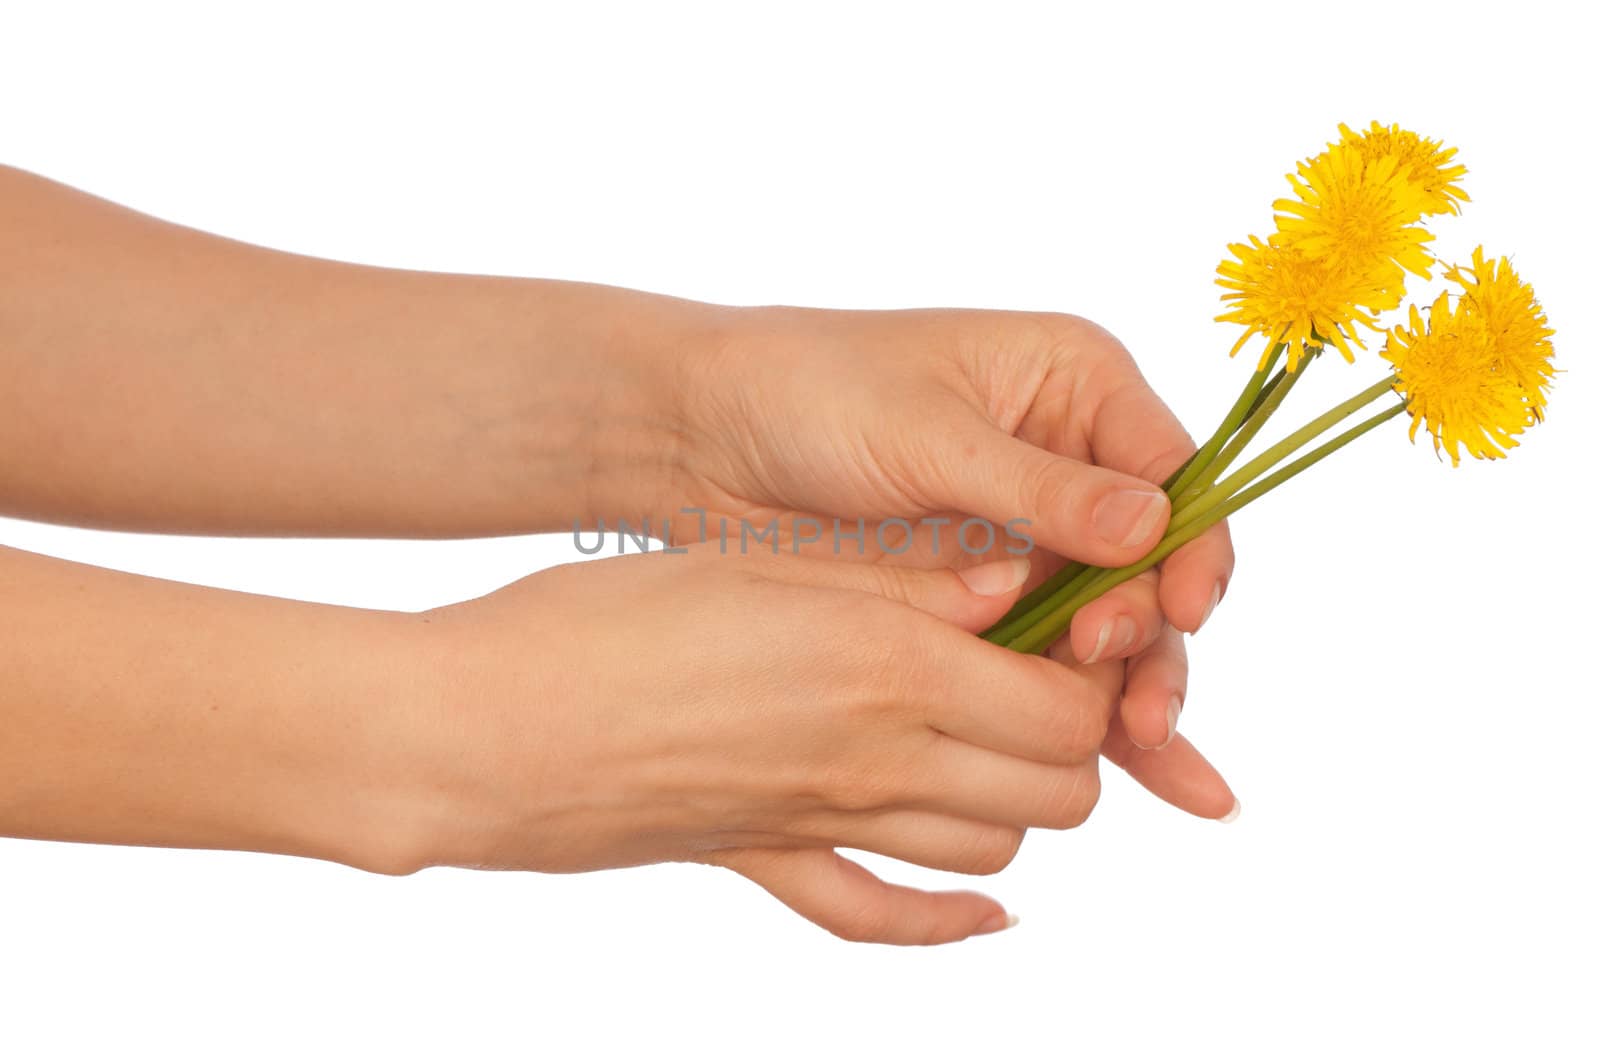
pixel 1293 298
pixel 1361 214
pixel 1474 374
pixel 1514 320
pixel 1427 162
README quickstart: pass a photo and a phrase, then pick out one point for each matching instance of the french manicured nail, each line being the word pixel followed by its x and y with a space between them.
pixel 996 923
pixel 1128 518
pixel 1216 596
pixel 995 577
pixel 1233 813
pixel 1174 707
pixel 1115 636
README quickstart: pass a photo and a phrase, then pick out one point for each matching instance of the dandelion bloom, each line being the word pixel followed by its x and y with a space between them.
pixel 1299 300
pixel 1514 320
pixel 1475 373
pixel 1427 163
pixel 1363 214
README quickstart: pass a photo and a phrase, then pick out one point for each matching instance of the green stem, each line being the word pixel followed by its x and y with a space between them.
pixel 1010 627
pixel 1240 410
pixel 1071 575
pixel 1272 397
pixel 1038 637
pixel 1276 453
pixel 1032 605
pixel 1277 378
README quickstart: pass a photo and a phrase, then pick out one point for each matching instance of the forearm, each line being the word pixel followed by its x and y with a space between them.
pixel 139 711
pixel 160 378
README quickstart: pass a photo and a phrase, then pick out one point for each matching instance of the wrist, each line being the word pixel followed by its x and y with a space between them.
pixel 367 785
pixel 634 428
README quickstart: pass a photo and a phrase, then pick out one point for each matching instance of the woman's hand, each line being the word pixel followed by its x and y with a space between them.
pixel 804 416
pixel 247 391
pixel 752 712
pixel 757 714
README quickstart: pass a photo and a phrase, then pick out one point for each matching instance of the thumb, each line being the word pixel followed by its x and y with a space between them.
pixel 851 902
pixel 971 598
pixel 1080 511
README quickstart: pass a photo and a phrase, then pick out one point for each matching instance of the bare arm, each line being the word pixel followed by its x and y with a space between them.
pixel 596 715
pixel 160 378
pixel 153 377
pixel 140 711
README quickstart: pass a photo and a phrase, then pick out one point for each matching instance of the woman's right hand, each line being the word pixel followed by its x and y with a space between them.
pixel 756 713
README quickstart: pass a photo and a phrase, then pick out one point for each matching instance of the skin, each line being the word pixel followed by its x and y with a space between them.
pixel 162 379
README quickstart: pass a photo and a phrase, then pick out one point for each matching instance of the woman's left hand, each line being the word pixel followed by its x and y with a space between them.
pixel 916 421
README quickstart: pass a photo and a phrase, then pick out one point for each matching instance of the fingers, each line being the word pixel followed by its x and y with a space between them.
pixel 1085 512
pixel 971 782
pixel 849 901
pixel 1153 684
pixel 930 839
pixel 1119 623
pixel 1195 577
pixel 947 683
pixel 1176 773
pixel 1134 431
pixel 995 736
pixel 1019 705
pixel 970 598
pixel 1153 691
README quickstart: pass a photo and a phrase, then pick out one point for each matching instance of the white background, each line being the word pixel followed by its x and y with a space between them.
pixel 1401 686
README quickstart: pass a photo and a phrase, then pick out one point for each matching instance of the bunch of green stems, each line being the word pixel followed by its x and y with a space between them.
pixel 1203 491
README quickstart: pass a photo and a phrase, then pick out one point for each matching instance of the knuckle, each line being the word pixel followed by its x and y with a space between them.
pixel 875 649
pixel 1075 718
pixel 1049 488
pixel 1070 800
pixel 988 851
pixel 911 659
pixel 1069 330
pixel 1075 334
pixel 851 786
pixel 1077 735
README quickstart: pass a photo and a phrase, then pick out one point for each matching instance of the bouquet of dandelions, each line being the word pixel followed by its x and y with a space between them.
pixel 1474 368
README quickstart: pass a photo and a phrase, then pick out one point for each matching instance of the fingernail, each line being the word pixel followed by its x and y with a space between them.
pixel 1216 596
pixel 1174 707
pixel 1128 518
pixel 1233 813
pixel 1115 637
pixel 996 923
pixel 995 577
